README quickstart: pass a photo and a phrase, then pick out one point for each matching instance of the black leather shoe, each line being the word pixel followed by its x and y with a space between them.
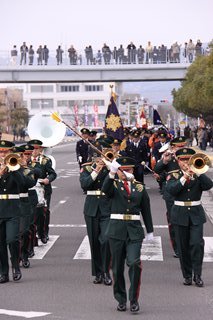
pixel 176 255
pixel 198 281
pixel 107 279
pixel 134 306
pixel 31 253
pixel 4 278
pixel 17 274
pixel 187 282
pixel 44 240
pixel 26 263
pixel 98 279
pixel 121 307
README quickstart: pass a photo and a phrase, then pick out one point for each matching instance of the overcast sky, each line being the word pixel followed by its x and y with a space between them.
pixel 93 22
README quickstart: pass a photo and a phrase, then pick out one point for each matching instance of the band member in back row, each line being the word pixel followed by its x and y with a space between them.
pixel 188 215
pixel 125 232
pixel 48 175
pixel 96 213
pixel 82 147
pixel 167 165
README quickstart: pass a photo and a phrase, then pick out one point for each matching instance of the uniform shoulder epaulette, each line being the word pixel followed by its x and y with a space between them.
pixel 175 174
pixel 44 159
pixel 138 185
pixel 170 172
pixel 26 170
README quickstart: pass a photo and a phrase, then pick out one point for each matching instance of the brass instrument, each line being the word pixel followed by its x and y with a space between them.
pixel 109 154
pixel 12 161
pixel 199 163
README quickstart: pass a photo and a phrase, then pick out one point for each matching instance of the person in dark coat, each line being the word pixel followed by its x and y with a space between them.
pixel 82 147
pixel 11 181
pixel 125 231
pixel 188 216
pixel 97 208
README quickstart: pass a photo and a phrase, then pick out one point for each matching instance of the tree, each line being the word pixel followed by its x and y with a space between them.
pixel 195 96
pixel 19 118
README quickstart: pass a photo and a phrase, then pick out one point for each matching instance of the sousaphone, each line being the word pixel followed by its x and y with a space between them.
pixel 43 128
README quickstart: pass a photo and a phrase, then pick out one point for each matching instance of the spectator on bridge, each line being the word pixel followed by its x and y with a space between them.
pixel 115 55
pixel 131 52
pixel 72 55
pixel 14 54
pixel 98 59
pixel 45 54
pixel 185 55
pixel 140 53
pixel 40 55
pixel 24 51
pixel 120 53
pixel 149 50
pixel 176 52
pixel 198 49
pixel 155 55
pixel 106 53
pixel 31 55
pixel 190 51
pixel 59 55
pixel 89 55
pixel 162 54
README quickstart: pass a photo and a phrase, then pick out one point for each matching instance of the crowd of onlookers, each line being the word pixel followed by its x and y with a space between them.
pixel 129 54
pixel 202 136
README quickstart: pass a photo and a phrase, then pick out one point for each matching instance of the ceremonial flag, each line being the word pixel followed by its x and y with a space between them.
pixel 76 115
pixel 143 119
pixel 156 118
pixel 113 123
pixel 95 108
pixel 86 115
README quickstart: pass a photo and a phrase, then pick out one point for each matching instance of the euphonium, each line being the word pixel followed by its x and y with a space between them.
pixel 199 163
pixel 12 161
pixel 109 153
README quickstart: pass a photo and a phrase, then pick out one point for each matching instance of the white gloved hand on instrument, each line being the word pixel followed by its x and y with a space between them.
pixel 129 176
pixel 80 159
pixel 114 166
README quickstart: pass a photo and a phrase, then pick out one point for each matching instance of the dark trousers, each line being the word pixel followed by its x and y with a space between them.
pixel 171 227
pixel 129 251
pixel 99 244
pixel 9 236
pixel 190 244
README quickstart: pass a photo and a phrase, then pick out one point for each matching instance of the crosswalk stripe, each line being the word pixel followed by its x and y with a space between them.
pixel 150 250
pixel 42 249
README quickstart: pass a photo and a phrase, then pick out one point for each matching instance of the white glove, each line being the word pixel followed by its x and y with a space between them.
pixel 107 163
pixel 149 236
pixel 129 176
pixel 114 166
pixel 80 158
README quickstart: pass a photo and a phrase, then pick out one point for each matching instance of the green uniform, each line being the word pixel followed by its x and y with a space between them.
pixel 126 236
pixel 96 212
pixel 164 170
pixel 10 212
pixel 188 216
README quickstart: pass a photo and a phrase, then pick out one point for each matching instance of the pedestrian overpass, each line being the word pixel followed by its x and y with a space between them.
pixel 93 73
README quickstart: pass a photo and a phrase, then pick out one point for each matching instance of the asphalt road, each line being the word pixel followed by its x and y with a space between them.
pixel 58 285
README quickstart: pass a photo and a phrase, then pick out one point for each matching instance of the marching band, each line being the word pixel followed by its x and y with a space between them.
pixel 112 176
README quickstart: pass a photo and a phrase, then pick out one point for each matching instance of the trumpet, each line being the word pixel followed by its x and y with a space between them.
pixel 12 161
pixel 199 163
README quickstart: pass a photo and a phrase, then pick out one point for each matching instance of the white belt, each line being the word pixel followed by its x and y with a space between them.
pixel 187 203
pixel 125 216
pixel 95 193
pixel 9 196
pixel 23 195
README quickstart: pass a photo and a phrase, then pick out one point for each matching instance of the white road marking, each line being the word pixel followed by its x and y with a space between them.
pixel 151 251
pixel 208 256
pixel 83 226
pixel 62 201
pixel 24 314
pixel 42 249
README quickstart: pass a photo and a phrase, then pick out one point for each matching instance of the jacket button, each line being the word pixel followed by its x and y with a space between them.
pixel 189 208
pixel 98 197
pixel 127 210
